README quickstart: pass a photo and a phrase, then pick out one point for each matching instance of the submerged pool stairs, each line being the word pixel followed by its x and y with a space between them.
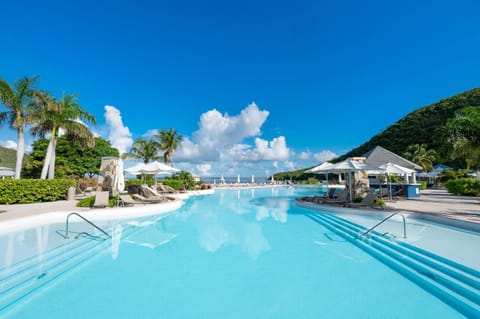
pixel 25 277
pixel 453 283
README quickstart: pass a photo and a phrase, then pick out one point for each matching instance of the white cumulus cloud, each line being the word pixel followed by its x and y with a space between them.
pixel 273 150
pixel 9 144
pixel 218 133
pixel 290 165
pixel 305 155
pixel 324 156
pixel 204 169
pixel 118 134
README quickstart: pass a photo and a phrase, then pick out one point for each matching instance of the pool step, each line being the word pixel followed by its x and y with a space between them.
pixel 458 271
pixel 456 286
pixel 27 276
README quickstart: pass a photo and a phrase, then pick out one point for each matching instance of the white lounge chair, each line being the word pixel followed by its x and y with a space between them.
pixel 126 200
pixel 101 199
pixel 367 201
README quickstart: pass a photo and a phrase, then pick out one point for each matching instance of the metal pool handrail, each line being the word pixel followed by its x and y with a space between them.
pixel 86 220
pixel 384 220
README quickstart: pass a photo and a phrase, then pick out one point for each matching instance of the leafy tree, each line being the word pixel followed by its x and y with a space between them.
pixel 169 141
pixel 185 179
pixel 146 150
pixel 419 153
pixel 71 158
pixel 51 116
pixel 18 100
pixel 463 136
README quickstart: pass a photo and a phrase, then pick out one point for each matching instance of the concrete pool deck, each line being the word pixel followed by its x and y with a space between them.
pixel 442 204
pixel 432 202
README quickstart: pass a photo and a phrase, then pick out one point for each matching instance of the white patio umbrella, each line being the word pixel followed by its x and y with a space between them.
pixel 391 168
pixel 349 166
pixel 394 169
pixel 136 169
pixel 6 172
pixel 159 168
pixel 153 168
pixel 119 181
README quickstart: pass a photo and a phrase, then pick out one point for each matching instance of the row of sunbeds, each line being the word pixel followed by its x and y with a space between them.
pixel 342 199
pixel 150 196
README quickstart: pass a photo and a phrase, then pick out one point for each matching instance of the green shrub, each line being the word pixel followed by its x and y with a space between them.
pixel 379 202
pixel 174 183
pixel 149 180
pixel 24 191
pixel 86 202
pixel 450 174
pixel 464 186
pixel 423 184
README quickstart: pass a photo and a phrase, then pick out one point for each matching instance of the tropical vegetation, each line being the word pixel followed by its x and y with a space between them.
pixel 51 117
pixel 469 186
pixel 18 99
pixel 418 153
pixel 145 150
pixel 26 191
pixel 72 159
pixel 168 142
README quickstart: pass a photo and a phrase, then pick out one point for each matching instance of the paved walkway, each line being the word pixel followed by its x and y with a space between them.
pixel 25 210
pixel 440 202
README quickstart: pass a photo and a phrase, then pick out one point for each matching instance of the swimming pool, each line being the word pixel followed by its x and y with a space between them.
pixel 241 253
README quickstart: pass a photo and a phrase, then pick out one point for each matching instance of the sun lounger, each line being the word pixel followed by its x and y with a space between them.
pixel 101 200
pixel 127 200
pixel 341 198
pixel 149 200
pixel 368 201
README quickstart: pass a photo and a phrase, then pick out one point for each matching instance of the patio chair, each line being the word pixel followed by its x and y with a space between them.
pixel 341 198
pixel 165 189
pixel 149 200
pixel 101 199
pixel 127 200
pixel 367 201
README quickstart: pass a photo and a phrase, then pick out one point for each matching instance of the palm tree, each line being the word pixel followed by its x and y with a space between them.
pixel 463 136
pixel 18 99
pixel 169 141
pixel 146 150
pixel 419 153
pixel 52 117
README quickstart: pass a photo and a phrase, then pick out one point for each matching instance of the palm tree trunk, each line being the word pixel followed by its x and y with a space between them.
pixel 48 159
pixel 51 169
pixel 20 152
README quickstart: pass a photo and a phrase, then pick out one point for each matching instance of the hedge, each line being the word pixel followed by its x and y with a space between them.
pixel 24 191
pixel 464 186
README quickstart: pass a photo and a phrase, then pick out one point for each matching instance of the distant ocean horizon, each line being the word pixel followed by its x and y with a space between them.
pixel 233 179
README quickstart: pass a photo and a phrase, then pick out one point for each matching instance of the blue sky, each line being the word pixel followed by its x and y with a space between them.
pixel 324 76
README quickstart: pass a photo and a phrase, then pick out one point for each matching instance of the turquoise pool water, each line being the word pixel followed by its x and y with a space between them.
pixel 247 253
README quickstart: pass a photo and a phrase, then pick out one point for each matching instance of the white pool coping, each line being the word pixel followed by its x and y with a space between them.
pixel 99 214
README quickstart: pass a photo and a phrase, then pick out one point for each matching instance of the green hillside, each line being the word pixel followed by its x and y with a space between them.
pixel 423 126
pixel 7 157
